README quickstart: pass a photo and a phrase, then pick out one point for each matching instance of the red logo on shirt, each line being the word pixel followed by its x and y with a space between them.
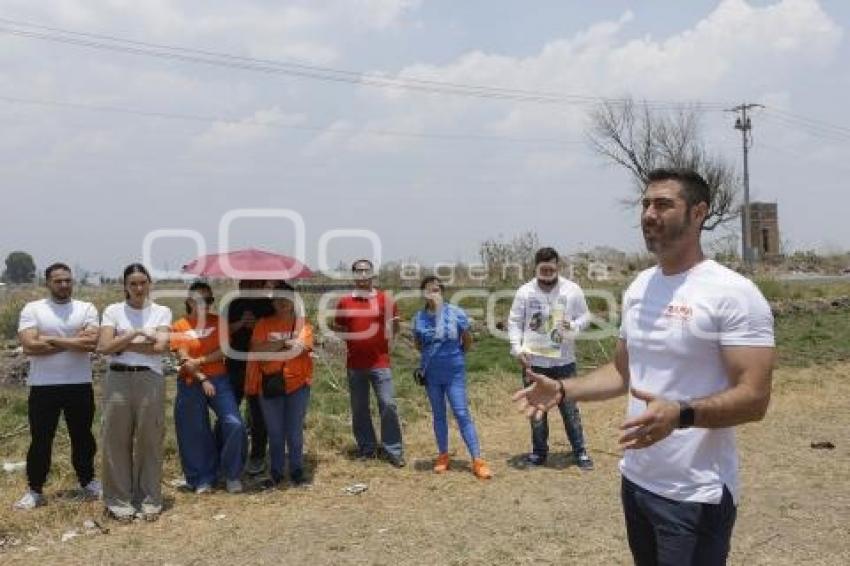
pixel 681 312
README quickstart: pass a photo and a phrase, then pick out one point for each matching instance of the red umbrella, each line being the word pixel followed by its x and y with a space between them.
pixel 248 264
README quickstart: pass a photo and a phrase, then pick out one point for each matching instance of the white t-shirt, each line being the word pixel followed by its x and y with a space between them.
pixel 59 319
pixel 674 328
pixel 122 317
pixel 531 311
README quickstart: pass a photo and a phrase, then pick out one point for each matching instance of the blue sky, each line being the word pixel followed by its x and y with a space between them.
pixel 89 184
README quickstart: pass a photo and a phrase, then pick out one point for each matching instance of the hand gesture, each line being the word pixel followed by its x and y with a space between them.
pixel 542 394
pixel 654 424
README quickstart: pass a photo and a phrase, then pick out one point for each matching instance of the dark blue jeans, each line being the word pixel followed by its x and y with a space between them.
pixel 284 418
pixel 200 454
pixel 569 414
pixel 664 532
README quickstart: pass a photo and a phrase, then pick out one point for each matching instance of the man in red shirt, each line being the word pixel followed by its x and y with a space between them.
pixel 367 319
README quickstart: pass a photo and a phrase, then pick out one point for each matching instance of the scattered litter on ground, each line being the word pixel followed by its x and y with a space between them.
pixel 92 526
pixel 11 467
pixel 355 489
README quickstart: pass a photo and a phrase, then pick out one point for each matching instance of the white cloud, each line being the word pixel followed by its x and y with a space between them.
pixel 328 140
pixel 261 126
pixel 378 14
pixel 723 57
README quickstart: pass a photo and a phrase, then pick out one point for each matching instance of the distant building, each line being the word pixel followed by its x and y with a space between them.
pixel 93 279
pixel 764 230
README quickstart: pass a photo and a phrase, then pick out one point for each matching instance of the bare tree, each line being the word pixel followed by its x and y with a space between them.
pixel 640 138
pixel 500 255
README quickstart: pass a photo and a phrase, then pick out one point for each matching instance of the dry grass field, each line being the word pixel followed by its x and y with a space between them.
pixel 795 507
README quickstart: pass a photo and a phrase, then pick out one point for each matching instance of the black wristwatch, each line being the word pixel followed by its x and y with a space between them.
pixel 686 415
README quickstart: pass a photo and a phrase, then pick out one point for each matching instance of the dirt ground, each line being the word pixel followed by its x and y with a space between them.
pixel 795 506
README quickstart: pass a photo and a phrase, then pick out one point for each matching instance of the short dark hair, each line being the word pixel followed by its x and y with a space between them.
pixel 546 254
pixel 428 279
pixel 56 267
pixel 694 187
pixel 197 285
pixel 354 264
pixel 200 285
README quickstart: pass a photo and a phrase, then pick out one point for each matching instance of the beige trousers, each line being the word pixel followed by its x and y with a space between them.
pixel 133 429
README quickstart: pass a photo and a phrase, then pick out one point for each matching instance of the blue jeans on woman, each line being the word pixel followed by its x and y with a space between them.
pixel 199 452
pixel 447 380
pixel 284 417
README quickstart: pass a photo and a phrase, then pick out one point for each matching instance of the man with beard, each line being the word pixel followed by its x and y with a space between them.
pixel 57 334
pixel 549 311
pixel 695 354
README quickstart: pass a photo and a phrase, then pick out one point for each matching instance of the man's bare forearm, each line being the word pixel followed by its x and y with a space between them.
pixel 604 383
pixel 737 405
pixel 78 344
pixel 39 347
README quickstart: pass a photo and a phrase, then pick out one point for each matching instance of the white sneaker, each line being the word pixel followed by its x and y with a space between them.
pixel 234 486
pixel 30 500
pixel 93 490
pixel 203 488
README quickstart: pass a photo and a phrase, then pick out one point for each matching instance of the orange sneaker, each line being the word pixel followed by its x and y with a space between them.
pixel 442 463
pixel 481 469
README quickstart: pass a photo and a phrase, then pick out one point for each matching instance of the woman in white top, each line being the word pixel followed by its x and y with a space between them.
pixel 135 334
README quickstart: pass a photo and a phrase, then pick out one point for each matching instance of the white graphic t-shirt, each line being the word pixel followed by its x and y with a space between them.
pixel 674 328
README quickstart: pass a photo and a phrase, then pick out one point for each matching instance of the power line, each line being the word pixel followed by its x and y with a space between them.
pixel 810 121
pixel 301 70
pixel 260 123
pixel 807 128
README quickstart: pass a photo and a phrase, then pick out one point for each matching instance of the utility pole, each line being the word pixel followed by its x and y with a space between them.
pixel 742 122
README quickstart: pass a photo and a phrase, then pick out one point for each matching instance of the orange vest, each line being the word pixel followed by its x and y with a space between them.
pixel 297 371
pixel 196 341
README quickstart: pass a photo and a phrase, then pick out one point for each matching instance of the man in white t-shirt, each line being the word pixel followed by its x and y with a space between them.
pixel 695 354
pixel 546 315
pixel 57 334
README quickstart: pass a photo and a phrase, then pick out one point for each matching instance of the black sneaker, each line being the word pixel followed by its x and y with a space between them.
pixel 365 456
pixel 583 461
pixel 397 461
pixel 535 459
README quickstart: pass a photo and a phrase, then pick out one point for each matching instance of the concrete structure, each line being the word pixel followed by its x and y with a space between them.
pixel 764 230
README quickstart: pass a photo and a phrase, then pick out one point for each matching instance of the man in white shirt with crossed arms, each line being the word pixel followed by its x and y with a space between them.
pixel 695 354
pixel 58 333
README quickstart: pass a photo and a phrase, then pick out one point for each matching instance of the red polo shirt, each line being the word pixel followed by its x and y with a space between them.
pixel 364 320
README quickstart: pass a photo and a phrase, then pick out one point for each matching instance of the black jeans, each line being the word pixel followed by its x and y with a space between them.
pixel 46 402
pixel 569 413
pixel 664 532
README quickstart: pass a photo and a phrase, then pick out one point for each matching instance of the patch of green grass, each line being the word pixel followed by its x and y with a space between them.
pixel 811 339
